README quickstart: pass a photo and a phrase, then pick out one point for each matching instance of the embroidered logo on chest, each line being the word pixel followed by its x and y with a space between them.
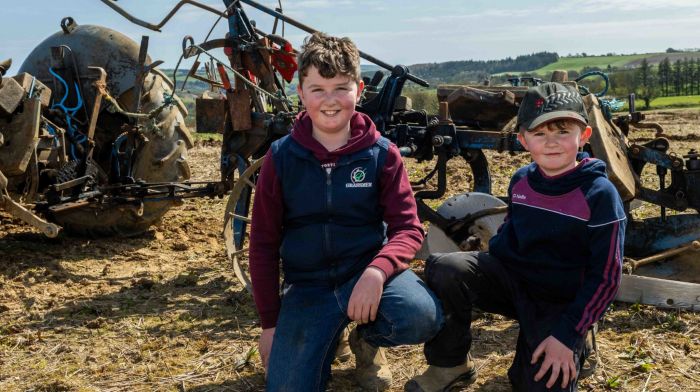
pixel 357 178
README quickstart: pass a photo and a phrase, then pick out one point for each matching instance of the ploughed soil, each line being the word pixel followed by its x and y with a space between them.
pixel 164 312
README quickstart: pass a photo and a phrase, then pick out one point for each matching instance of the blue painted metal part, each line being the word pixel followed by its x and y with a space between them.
pixel 75 137
pixel 480 170
pixel 238 23
pixel 52 132
pixel 242 207
pixel 232 20
pixel 473 139
pixel 116 164
pixel 657 158
pixel 650 236
pixel 381 106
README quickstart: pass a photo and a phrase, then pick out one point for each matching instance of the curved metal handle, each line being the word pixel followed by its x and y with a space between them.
pixel 156 27
pixel 187 42
pixel 68 25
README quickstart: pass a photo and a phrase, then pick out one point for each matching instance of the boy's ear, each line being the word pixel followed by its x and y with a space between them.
pixel 300 93
pixel 521 139
pixel 586 134
pixel 360 87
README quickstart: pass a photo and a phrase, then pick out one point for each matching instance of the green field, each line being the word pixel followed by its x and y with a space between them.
pixel 602 62
pixel 578 63
pixel 616 61
pixel 685 101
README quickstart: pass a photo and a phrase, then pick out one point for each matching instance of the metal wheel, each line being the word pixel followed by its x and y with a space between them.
pixel 237 219
pixel 482 215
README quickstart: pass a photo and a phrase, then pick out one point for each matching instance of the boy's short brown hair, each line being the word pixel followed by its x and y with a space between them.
pixel 330 55
pixel 557 124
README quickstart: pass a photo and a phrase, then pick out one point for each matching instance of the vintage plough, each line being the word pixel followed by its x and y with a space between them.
pixel 471 119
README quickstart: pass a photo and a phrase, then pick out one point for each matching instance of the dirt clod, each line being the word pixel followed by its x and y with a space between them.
pixel 185 280
pixel 143 284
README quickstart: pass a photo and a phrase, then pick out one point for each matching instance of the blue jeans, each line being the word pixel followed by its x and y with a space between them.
pixel 312 318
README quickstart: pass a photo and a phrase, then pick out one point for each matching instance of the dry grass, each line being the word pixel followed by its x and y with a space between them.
pixel 164 313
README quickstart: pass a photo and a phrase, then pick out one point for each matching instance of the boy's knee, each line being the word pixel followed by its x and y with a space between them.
pixel 418 326
pixel 416 319
pixel 428 319
pixel 444 271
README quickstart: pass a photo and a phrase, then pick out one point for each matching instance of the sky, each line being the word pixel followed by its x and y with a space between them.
pixel 395 31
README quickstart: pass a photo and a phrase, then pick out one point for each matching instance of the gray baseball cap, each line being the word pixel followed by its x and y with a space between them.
pixel 550 101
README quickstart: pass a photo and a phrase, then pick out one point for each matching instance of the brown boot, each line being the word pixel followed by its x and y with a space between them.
pixel 371 367
pixel 440 379
pixel 343 353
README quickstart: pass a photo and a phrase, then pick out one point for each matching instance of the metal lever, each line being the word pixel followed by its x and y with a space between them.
pixel 48 229
pixel 693 245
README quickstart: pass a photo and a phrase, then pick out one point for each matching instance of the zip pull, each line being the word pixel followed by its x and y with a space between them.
pixel 329 170
pixel 329 190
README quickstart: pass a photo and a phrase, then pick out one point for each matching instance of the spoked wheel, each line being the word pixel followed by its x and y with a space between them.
pixel 237 221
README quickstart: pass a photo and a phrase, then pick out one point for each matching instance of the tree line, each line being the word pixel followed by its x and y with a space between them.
pixel 480 70
pixel 681 77
pixel 647 81
pixel 667 78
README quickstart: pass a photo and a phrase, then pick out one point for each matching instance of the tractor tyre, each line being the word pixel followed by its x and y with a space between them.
pixel 161 158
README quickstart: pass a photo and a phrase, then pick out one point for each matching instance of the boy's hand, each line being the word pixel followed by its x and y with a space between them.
pixel 365 297
pixel 558 357
pixel 265 345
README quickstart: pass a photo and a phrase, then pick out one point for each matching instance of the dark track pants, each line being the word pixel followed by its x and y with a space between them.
pixel 464 280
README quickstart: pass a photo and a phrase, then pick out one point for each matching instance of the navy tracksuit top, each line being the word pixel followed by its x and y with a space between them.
pixel 563 238
pixel 332 225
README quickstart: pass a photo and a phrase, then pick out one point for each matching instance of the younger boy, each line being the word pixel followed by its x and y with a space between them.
pixel 322 198
pixel 554 265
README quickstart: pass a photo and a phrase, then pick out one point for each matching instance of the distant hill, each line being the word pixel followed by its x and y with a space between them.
pixel 476 70
pixel 615 62
pixel 471 71
pixel 540 64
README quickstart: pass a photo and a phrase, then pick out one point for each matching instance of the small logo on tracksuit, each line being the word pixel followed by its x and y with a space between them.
pixel 357 178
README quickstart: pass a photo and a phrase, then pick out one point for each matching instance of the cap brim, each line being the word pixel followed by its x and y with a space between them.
pixel 556 115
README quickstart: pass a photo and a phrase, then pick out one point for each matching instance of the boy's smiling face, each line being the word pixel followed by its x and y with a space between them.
pixel 554 144
pixel 330 102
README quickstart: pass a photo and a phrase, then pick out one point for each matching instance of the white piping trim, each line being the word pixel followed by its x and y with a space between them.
pixel 553 211
pixel 603 224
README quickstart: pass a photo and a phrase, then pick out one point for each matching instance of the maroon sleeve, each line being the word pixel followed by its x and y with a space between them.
pixel 404 231
pixel 265 237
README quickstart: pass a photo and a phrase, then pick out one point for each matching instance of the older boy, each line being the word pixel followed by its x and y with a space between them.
pixel 322 196
pixel 554 265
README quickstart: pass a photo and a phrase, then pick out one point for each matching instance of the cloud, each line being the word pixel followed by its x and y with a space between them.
pixel 408 31
pixel 594 6
pixel 448 19
pixel 459 41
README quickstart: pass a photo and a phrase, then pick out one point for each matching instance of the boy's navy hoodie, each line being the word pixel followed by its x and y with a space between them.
pixel 321 213
pixel 563 240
